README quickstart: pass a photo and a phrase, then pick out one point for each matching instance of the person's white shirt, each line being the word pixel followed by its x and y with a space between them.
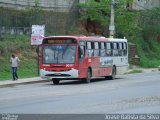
pixel 14 61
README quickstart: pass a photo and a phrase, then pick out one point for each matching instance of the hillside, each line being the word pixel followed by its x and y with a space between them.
pixel 141 28
pixel 20 46
pixel 56 23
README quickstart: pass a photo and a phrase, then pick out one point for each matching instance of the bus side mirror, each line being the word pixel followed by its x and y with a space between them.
pixel 39 50
pixel 79 52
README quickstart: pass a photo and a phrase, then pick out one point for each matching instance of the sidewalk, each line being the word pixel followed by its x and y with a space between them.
pixel 9 83
pixel 143 70
pixel 150 70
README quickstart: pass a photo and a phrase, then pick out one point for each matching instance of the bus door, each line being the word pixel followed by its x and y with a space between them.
pixel 81 59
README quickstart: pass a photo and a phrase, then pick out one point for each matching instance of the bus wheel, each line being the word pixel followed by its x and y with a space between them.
pixel 113 76
pixel 55 81
pixel 88 79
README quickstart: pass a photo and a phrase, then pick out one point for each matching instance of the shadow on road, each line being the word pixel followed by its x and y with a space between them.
pixel 79 82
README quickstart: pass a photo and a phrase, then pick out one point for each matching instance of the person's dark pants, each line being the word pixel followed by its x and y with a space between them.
pixel 14 73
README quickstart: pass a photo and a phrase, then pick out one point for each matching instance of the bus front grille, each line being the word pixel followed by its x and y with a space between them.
pixel 60 75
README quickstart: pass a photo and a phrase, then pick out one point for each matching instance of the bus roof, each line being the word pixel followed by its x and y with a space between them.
pixel 75 36
pixel 117 39
pixel 83 37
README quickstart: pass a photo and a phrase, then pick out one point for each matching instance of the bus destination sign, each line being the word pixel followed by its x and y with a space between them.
pixel 59 41
pixel 56 41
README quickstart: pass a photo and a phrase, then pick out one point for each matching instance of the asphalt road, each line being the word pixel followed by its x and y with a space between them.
pixel 132 93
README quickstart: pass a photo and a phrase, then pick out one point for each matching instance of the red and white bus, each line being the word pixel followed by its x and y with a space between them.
pixel 81 57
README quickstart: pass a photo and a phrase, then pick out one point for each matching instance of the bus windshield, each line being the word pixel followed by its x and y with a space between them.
pixel 59 54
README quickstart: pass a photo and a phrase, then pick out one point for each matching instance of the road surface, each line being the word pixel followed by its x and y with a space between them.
pixel 131 93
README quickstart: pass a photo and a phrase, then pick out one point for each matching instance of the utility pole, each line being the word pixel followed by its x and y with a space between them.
pixel 112 26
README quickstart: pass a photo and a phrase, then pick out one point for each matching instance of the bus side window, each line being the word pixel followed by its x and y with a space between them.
pixel 115 49
pixel 102 50
pixel 89 49
pixel 125 48
pixel 120 51
pixel 108 49
pixel 96 49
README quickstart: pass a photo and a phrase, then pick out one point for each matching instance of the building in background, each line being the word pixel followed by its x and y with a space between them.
pixel 83 1
pixel 144 4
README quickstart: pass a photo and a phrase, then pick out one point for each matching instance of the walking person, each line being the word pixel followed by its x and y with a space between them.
pixel 14 61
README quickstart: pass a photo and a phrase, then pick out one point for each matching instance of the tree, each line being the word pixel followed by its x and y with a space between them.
pixel 99 13
pixel 150 24
pixel 96 14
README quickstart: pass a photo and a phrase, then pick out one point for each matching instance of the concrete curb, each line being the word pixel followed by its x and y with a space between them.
pixel 10 83
pixel 150 70
pixel 143 70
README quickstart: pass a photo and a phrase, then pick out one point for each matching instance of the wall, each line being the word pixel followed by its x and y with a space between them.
pixel 145 4
pixel 60 5
pixel 133 55
pixel 58 22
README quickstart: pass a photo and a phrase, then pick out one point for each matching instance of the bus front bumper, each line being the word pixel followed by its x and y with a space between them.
pixel 73 73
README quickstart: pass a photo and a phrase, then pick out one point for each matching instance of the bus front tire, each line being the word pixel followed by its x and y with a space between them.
pixel 55 81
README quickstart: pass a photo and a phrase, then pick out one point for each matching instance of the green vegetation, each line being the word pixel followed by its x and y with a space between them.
pixel 149 53
pixel 148 39
pixel 96 11
pixel 99 11
pixel 134 71
pixel 20 46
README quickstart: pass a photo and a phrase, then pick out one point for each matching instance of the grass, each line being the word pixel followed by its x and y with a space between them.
pixel 148 52
pixel 20 46
pixel 134 71
pixel 148 62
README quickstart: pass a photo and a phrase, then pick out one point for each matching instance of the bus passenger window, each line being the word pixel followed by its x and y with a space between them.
pixel 115 49
pixel 89 49
pixel 96 49
pixel 120 51
pixel 102 51
pixel 90 53
pixel 125 48
pixel 89 45
pixel 108 49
